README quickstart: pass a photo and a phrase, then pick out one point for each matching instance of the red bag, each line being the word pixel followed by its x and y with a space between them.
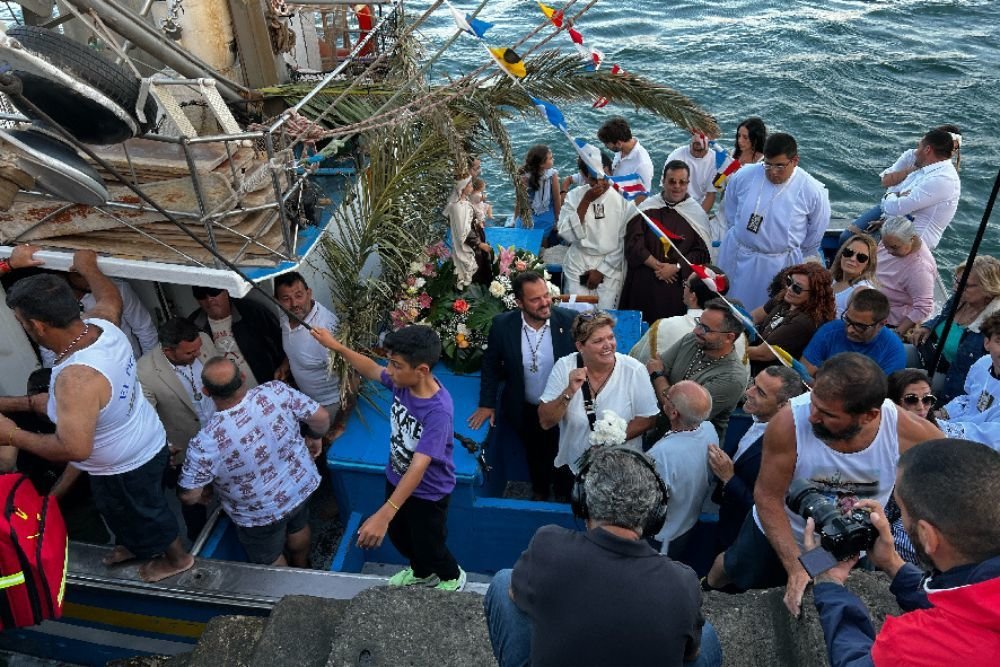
pixel 33 554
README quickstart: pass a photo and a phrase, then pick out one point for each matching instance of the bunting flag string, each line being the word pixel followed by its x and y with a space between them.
pixel 625 185
pixel 473 26
pixel 602 101
pixel 591 57
pixel 725 164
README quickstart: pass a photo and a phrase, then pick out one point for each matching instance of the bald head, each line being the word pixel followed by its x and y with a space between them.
pixel 222 378
pixel 692 402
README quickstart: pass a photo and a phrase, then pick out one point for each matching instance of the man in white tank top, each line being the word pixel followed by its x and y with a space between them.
pixel 104 424
pixel 845 438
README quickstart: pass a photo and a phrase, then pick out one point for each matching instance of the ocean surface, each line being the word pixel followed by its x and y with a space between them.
pixel 855 82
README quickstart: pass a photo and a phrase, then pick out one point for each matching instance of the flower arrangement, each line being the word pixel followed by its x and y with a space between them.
pixel 610 429
pixel 460 314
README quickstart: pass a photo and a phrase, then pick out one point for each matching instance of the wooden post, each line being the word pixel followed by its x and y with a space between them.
pixel 261 67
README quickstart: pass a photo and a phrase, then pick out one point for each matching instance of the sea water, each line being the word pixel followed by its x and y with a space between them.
pixel 855 82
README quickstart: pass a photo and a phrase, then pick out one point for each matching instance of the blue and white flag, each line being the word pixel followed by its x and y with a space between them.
pixel 551 113
pixel 473 26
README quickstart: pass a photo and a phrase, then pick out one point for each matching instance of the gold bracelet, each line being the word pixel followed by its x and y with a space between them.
pixel 10 436
pixel 392 504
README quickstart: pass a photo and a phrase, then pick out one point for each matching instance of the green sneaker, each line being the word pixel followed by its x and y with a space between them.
pixel 453 584
pixel 405 578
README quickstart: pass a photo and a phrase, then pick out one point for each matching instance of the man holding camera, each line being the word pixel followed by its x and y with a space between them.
pixel 949 493
pixel 844 438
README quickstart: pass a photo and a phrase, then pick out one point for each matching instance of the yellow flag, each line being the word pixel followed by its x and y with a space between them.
pixel 551 14
pixel 509 61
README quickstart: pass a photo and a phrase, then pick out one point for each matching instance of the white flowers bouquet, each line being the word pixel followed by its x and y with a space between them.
pixel 610 429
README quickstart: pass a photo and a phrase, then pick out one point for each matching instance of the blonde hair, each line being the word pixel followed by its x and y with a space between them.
pixel 585 324
pixel 869 271
pixel 987 269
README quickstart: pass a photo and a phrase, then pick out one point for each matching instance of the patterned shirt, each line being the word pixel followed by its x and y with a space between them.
pixel 255 456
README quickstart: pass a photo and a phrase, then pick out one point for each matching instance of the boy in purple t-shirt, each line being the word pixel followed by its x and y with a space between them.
pixel 421 470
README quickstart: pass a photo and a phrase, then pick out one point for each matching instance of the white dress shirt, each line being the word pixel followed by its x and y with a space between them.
pixel 930 195
pixel 536 346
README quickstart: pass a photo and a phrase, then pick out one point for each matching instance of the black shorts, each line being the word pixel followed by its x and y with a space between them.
pixel 264 544
pixel 751 562
pixel 135 508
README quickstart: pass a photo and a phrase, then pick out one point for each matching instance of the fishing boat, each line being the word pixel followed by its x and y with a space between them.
pixel 251 203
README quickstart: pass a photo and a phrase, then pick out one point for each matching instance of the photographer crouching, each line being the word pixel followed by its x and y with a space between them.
pixel 949 493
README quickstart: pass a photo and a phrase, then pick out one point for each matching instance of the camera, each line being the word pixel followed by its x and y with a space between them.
pixel 843 535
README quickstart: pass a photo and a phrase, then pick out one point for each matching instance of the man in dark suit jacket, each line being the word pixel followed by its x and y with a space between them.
pixel 522 347
pixel 737 466
pixel 243 330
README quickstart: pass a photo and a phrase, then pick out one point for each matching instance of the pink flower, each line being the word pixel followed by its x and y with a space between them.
pixel 411 281
pixel 461 306
pixel 507 257
pixel 425 300
pixel 428 270
pixel 520 265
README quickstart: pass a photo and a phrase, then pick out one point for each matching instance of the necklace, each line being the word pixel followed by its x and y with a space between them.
pixel 534 350
pixel 594 391
pixel 86 330
pixel 699 364
pixel 187 373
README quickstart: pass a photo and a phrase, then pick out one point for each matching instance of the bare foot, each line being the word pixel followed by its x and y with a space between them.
pixel 118 555
pixel 160 568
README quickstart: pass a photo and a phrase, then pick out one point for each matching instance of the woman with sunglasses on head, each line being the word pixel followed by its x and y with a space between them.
pixel 597 378
pixel 790 319
pixel 979 300
pixel 853 268
pixel 906 272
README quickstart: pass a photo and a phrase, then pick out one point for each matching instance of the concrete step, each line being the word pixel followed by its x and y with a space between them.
pixel 300 631
pixel 412 626
pixel 229 641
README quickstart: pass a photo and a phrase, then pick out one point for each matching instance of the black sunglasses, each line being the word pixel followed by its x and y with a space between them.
pixel 860 326
pixel 848 253
pixel 913 399
pixel 794 286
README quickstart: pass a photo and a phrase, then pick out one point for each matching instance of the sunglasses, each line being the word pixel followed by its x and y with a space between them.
pixel 860 256
pixel 913 399
pixel 860 326
pixel 794 286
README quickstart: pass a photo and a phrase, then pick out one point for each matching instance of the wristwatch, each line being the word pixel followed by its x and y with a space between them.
pixel 656 374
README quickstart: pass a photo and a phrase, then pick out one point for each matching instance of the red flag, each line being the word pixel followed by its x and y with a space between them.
pixel 717 282
pixel 575 36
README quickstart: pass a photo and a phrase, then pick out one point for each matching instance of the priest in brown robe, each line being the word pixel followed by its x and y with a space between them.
pixel 655 279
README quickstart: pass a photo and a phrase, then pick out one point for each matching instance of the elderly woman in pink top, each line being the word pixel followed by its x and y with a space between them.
pixel 906 271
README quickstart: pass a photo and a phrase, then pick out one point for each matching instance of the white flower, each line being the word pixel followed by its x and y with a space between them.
pixel 554 291
pixel 416 267
pixel 462 329
pixel 496 289
pixel 419 283
pixel 546 274
pixel 610 429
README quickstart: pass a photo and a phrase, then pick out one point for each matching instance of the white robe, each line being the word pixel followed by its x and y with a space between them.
pixel 975 415
pixel 595 244
pixel 460 216
pixel 795 217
